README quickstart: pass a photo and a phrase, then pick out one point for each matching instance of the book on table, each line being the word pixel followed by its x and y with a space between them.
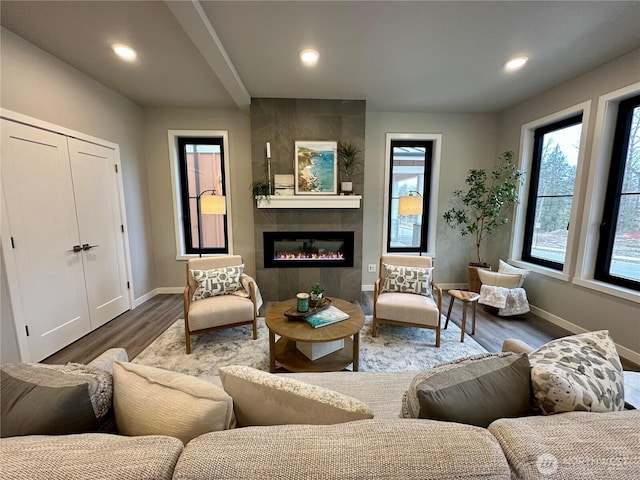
pixel 326 317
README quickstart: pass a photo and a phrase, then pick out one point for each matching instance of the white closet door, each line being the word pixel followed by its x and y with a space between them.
pixel 99 222
pixel 38 195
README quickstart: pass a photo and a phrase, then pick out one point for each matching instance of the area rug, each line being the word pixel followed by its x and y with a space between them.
pixel 396 348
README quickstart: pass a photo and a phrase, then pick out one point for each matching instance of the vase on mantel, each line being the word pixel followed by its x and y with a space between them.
pixel 346 187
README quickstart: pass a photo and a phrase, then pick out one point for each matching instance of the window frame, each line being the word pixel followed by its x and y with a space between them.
pixel 612 195
pixel 182 251
pixel 526 156
pixel 430 215
pixel 534 183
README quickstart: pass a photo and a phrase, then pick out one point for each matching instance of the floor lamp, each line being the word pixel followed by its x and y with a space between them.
pixel 209 205
pixel 412 205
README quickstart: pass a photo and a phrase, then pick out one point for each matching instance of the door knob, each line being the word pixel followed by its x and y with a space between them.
pixel 76 249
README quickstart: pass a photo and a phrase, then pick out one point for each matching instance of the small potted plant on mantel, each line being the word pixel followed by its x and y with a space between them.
pixel 348 155
pixel 261 191
pixel 483 207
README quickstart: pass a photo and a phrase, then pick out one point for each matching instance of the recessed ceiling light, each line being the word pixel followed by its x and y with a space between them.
pixel 125 52
pixel 309 56
pixel 515 63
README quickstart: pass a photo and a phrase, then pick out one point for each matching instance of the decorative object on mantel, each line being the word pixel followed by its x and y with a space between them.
pixel 483 207
pixel 348 155
pixel 284 184
pixel 261 191
pixel 316 168
pixel 268 155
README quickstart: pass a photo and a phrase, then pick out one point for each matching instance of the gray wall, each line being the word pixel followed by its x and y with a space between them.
pixel 169 272
pixel 468 141
pixel 584 308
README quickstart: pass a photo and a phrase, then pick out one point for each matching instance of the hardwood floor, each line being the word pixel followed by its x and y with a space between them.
pixel 137 329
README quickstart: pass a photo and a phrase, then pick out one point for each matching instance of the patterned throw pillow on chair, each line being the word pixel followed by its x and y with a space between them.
pixel 407 279
pixel 218 281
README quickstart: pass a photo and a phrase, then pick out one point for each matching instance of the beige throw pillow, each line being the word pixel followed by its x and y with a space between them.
pixel 152 401
pixel 495 279
pixel 504 267
pixel 261 398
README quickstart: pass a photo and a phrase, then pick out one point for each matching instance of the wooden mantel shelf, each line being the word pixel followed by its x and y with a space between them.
pixel 311 201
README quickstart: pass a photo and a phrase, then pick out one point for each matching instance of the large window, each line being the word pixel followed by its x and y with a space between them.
pixel 551 189
pixel 409 195
pixel 201 170
pixel 618 259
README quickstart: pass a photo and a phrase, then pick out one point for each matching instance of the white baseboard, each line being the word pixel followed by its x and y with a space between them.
pixel 624 352
pixel 147 296
pixel 157 291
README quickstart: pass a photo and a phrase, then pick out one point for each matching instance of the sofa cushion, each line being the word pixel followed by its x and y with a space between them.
pixel 403 279
pixel 575 445
pixel 504 267
pixel 217 281
pixel 475 390
pixel 261 398
pixel 89 455
pixel 398 449
pixel 579 372
pixel 39 399
pixel 152 401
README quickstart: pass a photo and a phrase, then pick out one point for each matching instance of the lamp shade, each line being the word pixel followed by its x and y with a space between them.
pixel 213 205
pixel 410 205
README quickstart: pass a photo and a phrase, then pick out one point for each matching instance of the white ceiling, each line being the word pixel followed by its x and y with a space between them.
pixel 420 56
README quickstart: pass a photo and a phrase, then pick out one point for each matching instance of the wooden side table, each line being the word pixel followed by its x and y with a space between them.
pixel 466 297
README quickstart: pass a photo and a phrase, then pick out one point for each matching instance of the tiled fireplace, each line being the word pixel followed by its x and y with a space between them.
pixel 282 122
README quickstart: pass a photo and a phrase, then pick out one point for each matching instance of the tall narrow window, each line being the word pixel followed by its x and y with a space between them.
pixel 409 195
pixel 552 180
pixel 618 259
pixel 201 166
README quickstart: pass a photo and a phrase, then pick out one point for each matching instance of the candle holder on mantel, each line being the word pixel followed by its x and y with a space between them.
pixel 268 155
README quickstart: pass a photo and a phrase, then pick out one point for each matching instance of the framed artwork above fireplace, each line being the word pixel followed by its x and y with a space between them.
pixel 316 168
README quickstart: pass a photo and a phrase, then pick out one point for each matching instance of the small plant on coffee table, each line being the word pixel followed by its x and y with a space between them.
pixel 317 293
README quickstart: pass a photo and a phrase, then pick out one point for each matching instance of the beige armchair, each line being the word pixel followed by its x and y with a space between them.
pixel 228 299
pixel 392 302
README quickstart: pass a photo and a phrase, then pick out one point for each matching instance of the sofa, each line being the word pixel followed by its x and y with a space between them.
pixel 377 444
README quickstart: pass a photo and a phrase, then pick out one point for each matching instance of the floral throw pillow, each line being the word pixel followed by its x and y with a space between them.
pixel 407 279
pixel 578 373
pixel 218 281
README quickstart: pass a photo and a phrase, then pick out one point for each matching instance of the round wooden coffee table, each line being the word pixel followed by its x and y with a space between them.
pixel 284 351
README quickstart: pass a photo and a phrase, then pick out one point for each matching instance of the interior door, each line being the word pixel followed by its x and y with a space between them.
pixel 99 222
pixel 39 203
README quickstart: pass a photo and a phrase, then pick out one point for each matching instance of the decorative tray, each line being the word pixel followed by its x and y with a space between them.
pixel 295 316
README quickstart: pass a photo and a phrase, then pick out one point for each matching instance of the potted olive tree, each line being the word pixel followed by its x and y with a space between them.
pixel 484 206
pixel 348 156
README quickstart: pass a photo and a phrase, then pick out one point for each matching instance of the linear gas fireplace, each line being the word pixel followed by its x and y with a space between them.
pixel 308 249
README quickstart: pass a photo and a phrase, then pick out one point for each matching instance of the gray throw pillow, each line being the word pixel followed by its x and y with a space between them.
pixel 475 390
pixel 38 399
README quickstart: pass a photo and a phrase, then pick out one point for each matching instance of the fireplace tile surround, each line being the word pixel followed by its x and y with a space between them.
pixel 281 122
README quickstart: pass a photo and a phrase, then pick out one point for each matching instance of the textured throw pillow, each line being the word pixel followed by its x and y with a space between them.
pixel 218 281
pixel 261 398
pixel 578 373
pixel 475 390
pixel 407 279
pixel 504 280
pixel 39 399
pixel 152 401
pixel 504 267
